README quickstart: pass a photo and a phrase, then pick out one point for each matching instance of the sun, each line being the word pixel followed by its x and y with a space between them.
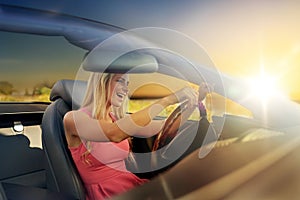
pixel 264 86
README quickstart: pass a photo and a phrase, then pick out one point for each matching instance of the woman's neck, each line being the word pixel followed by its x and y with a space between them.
pixel 107 114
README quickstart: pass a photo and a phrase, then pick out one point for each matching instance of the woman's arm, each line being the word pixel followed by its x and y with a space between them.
pixel 77 123
pixel 140 124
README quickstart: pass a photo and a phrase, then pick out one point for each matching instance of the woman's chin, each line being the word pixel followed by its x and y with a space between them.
pixel 117 104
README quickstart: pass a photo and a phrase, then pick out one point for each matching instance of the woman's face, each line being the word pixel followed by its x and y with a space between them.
pixel 118 89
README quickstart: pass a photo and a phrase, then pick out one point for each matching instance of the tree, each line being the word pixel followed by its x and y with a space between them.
pixel 42 88
pixel 26 92
pixel 6 88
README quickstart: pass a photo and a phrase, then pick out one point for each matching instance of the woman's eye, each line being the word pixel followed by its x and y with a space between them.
pixel 122 82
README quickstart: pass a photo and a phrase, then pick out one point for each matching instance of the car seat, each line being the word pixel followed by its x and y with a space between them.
pixel 62 175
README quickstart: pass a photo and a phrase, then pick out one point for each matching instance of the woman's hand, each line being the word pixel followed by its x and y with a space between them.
pixel 204 89
pixel 184 94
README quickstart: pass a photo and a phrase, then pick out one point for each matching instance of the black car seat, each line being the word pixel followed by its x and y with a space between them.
pixel 62 175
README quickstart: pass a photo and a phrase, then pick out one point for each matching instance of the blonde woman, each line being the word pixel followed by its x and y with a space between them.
pixel 97 133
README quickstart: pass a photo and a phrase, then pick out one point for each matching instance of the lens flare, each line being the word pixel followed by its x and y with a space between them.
pixel 264 86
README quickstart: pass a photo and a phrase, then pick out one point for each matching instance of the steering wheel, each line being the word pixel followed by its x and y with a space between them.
pixel 170 129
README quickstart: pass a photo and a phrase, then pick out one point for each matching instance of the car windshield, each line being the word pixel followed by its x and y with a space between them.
pixel 31 64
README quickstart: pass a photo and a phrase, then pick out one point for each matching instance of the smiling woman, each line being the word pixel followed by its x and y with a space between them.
pixel 239 136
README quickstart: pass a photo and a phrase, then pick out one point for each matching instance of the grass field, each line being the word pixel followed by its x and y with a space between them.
pixel 134 105
pixel 21 98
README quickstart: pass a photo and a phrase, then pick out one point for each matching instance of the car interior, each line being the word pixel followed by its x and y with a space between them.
pixel 57 173
pixel 223 156
pixel 56 176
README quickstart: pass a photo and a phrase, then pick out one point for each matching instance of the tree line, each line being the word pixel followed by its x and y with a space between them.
pixel 7 88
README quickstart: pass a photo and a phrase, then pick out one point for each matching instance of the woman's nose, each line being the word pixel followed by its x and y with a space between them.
pixel 125 88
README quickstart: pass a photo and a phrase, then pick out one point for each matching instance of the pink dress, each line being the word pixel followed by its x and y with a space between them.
pixel 103 171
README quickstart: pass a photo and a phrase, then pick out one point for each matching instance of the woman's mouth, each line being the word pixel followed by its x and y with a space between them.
pixel 121 95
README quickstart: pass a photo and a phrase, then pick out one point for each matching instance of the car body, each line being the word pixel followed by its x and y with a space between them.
pixel 252 156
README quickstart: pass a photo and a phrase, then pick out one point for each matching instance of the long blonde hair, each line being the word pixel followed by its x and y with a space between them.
pixel 97 96
pixel 96 99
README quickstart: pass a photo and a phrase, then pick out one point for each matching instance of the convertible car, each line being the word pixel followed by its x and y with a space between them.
pixel 242 149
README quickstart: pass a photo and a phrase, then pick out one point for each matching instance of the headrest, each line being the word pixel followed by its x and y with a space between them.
pixel 64 89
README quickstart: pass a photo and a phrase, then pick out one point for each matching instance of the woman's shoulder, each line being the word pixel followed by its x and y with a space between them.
pixel 71 115
pixel 70 129
pixel 70 119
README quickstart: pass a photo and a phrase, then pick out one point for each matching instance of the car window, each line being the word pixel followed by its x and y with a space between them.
pixel 213 109
pixel 146 88
pixel 31 64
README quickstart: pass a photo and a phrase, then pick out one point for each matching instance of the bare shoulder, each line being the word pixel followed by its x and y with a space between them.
pixel 68 121
pixel 69 117
pixel 70 129
pixel 72 118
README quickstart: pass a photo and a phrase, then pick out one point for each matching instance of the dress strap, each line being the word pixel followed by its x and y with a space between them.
pixel 112 116
pixel 86 111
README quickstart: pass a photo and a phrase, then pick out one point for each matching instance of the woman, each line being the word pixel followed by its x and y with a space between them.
pixel 97 134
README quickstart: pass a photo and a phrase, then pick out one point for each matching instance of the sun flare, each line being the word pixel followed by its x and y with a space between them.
pixel 264 86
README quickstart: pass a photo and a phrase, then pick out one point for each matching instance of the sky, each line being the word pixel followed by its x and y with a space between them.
pixel 242 38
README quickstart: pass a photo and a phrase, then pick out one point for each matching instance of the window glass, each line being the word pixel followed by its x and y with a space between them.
pixel 211 103
pixel 31 64
pixel 146 88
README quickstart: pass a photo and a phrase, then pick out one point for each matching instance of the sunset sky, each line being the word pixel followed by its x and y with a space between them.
pixel 243 38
